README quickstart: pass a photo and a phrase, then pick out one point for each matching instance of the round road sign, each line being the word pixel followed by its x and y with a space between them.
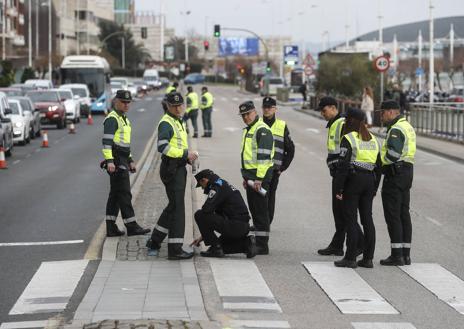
pixel 382 63
pixel 308 70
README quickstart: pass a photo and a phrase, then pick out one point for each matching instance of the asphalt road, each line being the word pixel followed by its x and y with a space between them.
pixel 57 194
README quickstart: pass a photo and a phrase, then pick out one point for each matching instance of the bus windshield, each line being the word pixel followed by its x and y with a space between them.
pixel 93 78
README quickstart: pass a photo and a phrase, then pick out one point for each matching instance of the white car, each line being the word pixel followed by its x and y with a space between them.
pixel 115 86
pixel 133 89
pixel 81 90
pixel 71 104
pixel 123 81
pixel 39 83
pixel 21 122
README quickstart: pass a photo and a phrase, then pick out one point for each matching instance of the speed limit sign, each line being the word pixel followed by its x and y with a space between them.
pixel 382 63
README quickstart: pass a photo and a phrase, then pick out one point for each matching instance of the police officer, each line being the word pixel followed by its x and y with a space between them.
pixel 329 110
pixel 118 163
pixel 172 143
pixel 398 151
pixel 191 110
pixel 206 107
pixel 257 166
pixel 356 181
pixel 284 149
pixel 225 212
pixel 172 88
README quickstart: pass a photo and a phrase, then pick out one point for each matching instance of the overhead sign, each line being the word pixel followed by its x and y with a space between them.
pixel 238 46
pixel 169 53
pixel 382 63
pixel 291 54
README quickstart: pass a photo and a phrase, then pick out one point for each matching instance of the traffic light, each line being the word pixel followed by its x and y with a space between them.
pixel 206 45
pixel 217 31
pixel 144 32
pixel 268 67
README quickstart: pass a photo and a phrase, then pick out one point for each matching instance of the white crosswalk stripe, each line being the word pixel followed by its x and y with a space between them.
pixel 382 325
pixel 29 324
pixel 257 324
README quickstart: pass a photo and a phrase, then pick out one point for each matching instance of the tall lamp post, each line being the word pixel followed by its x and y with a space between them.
pixel 186 13
pixel 29 32
pixel 431 58
pixel 50 39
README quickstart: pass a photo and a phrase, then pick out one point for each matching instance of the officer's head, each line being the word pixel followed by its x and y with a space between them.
pixel 189 89
pixel 204 89
pixel 389 110
pixel 269 107
pixel 175 104
pixel 328 107
pixel 175 84
pixel 122 100
pixel 356 121
pixel 203 178
pixel 248 112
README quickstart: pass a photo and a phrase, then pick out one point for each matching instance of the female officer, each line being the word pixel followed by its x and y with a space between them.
pixel 356 183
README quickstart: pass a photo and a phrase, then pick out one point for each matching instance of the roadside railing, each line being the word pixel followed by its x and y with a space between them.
pixel 440 120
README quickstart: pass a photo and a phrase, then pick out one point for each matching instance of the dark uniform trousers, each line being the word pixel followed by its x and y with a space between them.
pixel 234 233
pixel 272 195
pixel 258 205
pixel 120 197
pixel 358 194
pixel 395 199
pixel 206 118
pixel 172 219
pixel 192 115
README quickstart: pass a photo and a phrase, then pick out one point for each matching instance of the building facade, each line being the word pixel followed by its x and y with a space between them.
pixel 124 11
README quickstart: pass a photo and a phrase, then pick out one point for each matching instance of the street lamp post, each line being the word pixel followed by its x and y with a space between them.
pixel 123 52
pixel 50 39
pixel 431 58
pixel 29 32
pixel 186 35
pixel 4 31
pixel 37 29
pixel 420 59
pixel 162 30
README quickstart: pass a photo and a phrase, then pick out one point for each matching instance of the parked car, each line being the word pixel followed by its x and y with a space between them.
pixel 194 78
pixel 124 81
pixel 51 108
pixel 28 108
pixel 142 87
pixel 82 91
pixel 6 131
pixel 132 88
pixel 456 95
pixel 39 83
pixel 151 78
pixel 21 123
pixel 268 85
pixel 24 88
pixel 71 104
pixel 10 92
pixel 164 82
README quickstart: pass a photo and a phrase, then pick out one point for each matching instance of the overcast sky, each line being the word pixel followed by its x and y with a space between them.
pixel 299 19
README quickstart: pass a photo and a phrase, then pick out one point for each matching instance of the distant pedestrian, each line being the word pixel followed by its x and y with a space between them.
pixel 367 105
pixel 206 107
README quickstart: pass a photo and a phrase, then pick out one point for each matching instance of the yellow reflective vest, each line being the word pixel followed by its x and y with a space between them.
pixel 121 138
pixel 170 89
pixel 207 100
pixel 178 143
pixel 363 153
pixel 192 102
pixel 334 136
pixel 409 147
pixel 278 132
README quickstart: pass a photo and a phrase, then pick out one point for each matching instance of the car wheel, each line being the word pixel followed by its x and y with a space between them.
pixel 37 133
pixel 28 139
pixel 60 125
pixel 32 133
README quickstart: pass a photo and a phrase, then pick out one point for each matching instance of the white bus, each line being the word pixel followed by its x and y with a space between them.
pixel 95 72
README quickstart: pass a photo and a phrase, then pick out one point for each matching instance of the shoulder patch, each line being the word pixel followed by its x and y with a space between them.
pixel 211 194
pixel 219 182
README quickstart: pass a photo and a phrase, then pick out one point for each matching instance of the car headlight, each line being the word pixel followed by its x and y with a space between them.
pixel 52 108
pixel 18 124
pixel 100 104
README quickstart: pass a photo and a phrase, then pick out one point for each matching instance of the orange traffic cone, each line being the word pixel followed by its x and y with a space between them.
pixel 90 119
pixel 3 164
pixel 44 139
pixel 72 128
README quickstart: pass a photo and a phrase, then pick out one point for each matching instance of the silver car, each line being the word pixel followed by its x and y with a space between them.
pixel 28 108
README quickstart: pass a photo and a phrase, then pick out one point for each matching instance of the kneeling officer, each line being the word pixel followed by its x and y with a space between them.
pixel 225 212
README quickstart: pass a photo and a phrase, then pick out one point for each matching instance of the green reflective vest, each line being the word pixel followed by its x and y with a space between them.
pixel 178 143
pixel 207 100
pixel 409 147
pixel 250 151
pixel 363 153
pixel 334 136
pixel 278 131
pixel 192 102
pixel 122 136
pixel 170 89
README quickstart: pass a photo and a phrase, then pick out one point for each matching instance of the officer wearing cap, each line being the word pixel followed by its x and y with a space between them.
pixel 206 107
pixel 335 122
pixel 173 145
pixel 398 151
pixel 118 162
pixel 257 166
pixel 284 149
pixel 191 110
pixel 356 181
pixel 224 212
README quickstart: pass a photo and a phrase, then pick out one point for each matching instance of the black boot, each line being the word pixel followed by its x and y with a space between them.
pixel 406 256
pixel 251 246
pixel 262 249
pixel 112 229
pixel 395 258
pixel 345 263
pixel 134 229
pixel 195 135
pixel 213 251
pixel 367 263
pixel 330 251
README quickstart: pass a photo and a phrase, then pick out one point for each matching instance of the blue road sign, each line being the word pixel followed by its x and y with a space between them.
pixel 291 54
pixel 419 71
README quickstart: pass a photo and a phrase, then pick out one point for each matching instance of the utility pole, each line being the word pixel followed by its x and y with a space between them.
pixel 4 30
pixel 162 31
pixel 431 59
pixel 50 39
pixel 420 59
pixel 29 31
pixel 78 28
pixel 37 29
pixel 123 59
pixel 381 49
pixel 451 45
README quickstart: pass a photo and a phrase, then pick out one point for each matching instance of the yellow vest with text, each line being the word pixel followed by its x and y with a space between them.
pixel 122 136
pixel 363 153
pixel 409 147
pixel 209 100
pixel 334 136
pixel 278 132
pixel 178 143
pixel 193 102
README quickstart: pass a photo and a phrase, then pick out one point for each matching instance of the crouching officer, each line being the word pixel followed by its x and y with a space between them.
pixel 172 143
pixel 398 151
pixel 225 212
pixel 257 166
pixel 118 162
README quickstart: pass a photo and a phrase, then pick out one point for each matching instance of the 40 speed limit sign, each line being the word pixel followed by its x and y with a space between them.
pixel 382 63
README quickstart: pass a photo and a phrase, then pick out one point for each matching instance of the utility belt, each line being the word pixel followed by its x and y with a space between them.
pixel 207 108
pixel 173 162
pixel 396 168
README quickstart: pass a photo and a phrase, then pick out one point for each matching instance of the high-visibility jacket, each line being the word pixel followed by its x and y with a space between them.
pixel 170 89
pixel 192 102
pixel 178 143
pixel 334 136
pixel 121 138
pixel 363 153
pixel 207 100
pixel 409 146
pixel 278 131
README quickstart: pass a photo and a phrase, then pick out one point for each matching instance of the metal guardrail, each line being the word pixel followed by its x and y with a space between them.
pixel 442 120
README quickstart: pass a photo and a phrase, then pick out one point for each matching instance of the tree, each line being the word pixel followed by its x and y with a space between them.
pixel 7 73
pixel 28 73
pixel 179 49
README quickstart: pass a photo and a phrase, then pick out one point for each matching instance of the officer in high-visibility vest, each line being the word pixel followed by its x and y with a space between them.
pixel 284 149
pixel 118 162
pixel 191 110
pixel 398 151
pixel 329 110
pixel 173 145
pixel 206 107
pixel 356 181
pixel 172 88
pixel 257 166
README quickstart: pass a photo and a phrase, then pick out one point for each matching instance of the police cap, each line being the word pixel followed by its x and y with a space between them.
pixel 205 173
pixel 269 102
pixel 389 104
pixel 326 101
pixel 355 114
pixel 246 107
pixel 123 95
pixel 174 98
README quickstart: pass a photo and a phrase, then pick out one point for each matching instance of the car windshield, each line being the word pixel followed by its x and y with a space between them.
pixel 14 108
pixel 12 93
pixel 79 91
pixel 65 94
pixel 116 84
pixel 150 78
pixel 43 96
pixel 118 81
pixel 25 105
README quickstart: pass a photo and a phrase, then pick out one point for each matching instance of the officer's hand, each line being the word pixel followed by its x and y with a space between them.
pixel 111 167
pixel 196 242
pixel 257 185
pixel 339 196
pixel 192 156
pixel 132 167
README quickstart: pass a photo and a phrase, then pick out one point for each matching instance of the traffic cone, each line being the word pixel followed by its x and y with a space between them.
pixel 72 128
pixel 44 139
pixel 90 119
pixel 3 164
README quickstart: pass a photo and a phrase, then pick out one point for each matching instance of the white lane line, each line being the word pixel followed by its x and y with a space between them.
pixel 231 129
pixel 37 150
pixel 28 155
pixel 241 286
pixel 151 98
pixel 28 324
pixel 442 283
pixel 347 290
pixel 261 324
pixel 141 110
pixel 44 243
pixel 382 325
pixel 313 130
pixel 434 221
pixel 50 288
pixel 235 99
pixel 16 162
pixel 223 99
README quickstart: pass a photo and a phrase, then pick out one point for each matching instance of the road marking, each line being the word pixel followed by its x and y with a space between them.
pixel 259 324
pixel 37 150
pixel 382 325
pixel 151 98
pixel 241 286
pixel 16 161
pixel 313 130
pixel 347 290
pixel 442 283
pixel 231 129
pixel 235 99
pixel 28 155
pixel 56 142
pixel 28 324
pixel 141 110
pixel 45 243
pixel 434 221
pixel 223 99
pixel 50 288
